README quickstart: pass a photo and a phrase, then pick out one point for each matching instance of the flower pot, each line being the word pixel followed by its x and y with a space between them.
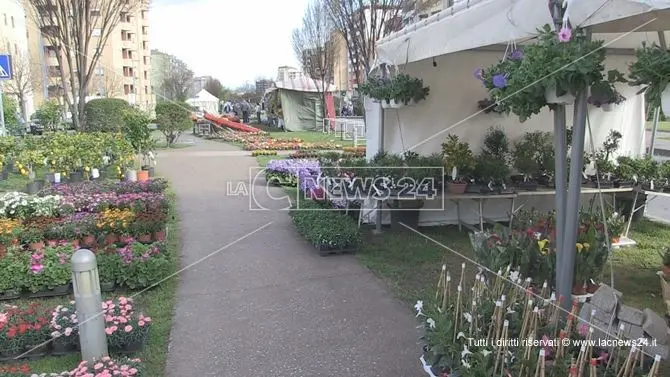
pixel 527 186
pixel 76 176
pixel 3 250
pixel 607 107
pixel 10 295
pixel 131 347
pixel 615 240
pixel 57 178
pixel 578 289
pixel 64 345
pixel 111 238
pixel 666 270
pixel 49 177
pixel 52 243
pixel 36 246
pixel 152 172
pixel 32 187
pixel 75 244
pixel 592 287
pixel 107 286
pixel 551 97
pixel 131 175
pixel 144 238
pixel 405 212
pixel 62 290
pixel 456 188
pixel 142 175
pixel 125 239
pixel 5 173
pixel 159 236
pixel 37 351
pixel 665 100
pixel 88 241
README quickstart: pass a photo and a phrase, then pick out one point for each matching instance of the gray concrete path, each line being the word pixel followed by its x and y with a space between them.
pixel 268 304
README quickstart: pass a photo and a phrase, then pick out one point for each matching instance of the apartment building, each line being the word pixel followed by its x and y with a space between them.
pixel 263 85
pixel 123 69
pixel 287 73
pixel 199 84
pixel 14 41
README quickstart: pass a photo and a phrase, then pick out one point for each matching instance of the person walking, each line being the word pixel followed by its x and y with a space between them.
pixel 258 112
pixel 246 108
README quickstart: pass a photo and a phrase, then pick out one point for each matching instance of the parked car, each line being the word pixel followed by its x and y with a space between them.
pixel 36 127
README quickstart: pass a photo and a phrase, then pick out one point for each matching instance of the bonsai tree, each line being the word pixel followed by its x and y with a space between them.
pixel 493 162
pixel 457 156
pixel 603 156
pixel 626 169
pixel 533 154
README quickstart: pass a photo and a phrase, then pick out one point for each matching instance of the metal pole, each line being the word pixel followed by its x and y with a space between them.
pixel 567 263
pixel 657 116
pixel 3 129
pixel 88 303
pixel 378 221
pixel 560 146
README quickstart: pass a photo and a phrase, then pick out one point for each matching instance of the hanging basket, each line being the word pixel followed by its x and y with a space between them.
pixel 392 104
pixel 665 100
pixel 607 107
pixel 551 97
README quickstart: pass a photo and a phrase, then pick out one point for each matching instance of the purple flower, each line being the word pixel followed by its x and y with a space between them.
pixel 515 55
pixel 478 74
pixel 499 81
pixel 565 34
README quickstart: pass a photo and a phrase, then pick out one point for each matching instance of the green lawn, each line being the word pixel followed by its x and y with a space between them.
pixel 157 302
pixel 309 136
pixel 662 126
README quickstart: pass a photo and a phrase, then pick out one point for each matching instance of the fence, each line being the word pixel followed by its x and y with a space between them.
pixel 345 127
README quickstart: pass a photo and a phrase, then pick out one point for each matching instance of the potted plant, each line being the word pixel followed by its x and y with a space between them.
pixel 603 93
pixel 603 159
pixel 24 328
pixel 648 173
pixel 12 269
pixel 626 171
pixel 492 164
pixel 665 257
pixel 48 272
pixel 616 224
pixel 652 71
pixel 33 237
pixel 109 268
pixel 530 155
pixel 27 164
pixel 458 162
pixel 64 327
pixel 10 230
pixel 109 367
pixel 398 91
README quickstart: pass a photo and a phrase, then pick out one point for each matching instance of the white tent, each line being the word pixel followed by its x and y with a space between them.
pixel 205 101
pixel 462 39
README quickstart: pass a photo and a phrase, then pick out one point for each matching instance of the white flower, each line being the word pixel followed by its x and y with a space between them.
pixel 468 317
pixel 465 364
pixel 465 352
pixel 514 276
pixel 538 235
pixel 55 334
pixel 431 323
pixel 485 352
pixel 419 308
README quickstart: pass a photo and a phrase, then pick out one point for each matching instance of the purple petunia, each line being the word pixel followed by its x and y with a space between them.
pixel 499 81
pixel 565 34
pixel 515 55
pixel 478 74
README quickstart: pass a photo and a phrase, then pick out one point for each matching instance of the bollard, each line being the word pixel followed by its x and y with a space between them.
pixel 88 303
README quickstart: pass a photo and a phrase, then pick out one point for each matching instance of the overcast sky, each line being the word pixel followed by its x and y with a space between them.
pixel 233 40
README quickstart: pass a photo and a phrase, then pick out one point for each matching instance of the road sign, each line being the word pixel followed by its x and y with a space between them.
pixel 5 67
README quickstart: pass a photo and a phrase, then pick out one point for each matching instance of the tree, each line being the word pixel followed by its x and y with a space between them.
pixel 172 119
pixel 21 84
pixel 314 48
pixel 214 87
pixel 136 130
pixel 50 115
pixel 79 30
pixel 362 23
pixel 177 80
pixel 10 110
pixel 109 86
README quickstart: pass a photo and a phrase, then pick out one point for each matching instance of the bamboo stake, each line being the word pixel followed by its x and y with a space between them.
pixel 624 371
pixel 537 366
pixel 592 370
pixel 525 318
pixel 505 346
pixel 462 274
pixel 542 363
pixel 447 291
pixel 500 350
pixel 559 352
pixel 492 325
pixel 457 311
pixel 557 313
pixel 617 350
pixel 653 372
pixel 473 313
pixel 441 282
pixel 543 292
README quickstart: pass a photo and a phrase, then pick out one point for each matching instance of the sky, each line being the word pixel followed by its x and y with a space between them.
pixel 235 41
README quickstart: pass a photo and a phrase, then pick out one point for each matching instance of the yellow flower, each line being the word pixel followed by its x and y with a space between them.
pixel 579 247
pixel 542 245
pixel 586 246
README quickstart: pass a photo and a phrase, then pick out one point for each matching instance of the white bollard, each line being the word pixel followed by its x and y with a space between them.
pixel 88 304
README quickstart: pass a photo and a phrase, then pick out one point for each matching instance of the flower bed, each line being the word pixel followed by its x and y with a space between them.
pixel 106 367
pixel 288 172
pixel 124 223
pixel 262 141
pixel 325 228
pixel 263 153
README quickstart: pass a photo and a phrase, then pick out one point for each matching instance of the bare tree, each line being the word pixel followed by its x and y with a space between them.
pixel 362 23
pixel 315 48
pixel 21 85
pixel 78 30
pixel 177 80
pixel 107 85
pixel 215 88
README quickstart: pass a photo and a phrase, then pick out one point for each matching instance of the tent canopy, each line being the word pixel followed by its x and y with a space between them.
pixel 479 23
pixel 303 84
pixel 205 101
pixel 203 96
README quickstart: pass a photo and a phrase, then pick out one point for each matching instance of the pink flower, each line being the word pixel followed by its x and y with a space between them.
pixel 98 366
pixel 106 359
pixel 123 300
pixel 128 328
pixel 3 318
pixel 133 371
pixel 110 330
pixel 123 320
pixel 565 34
pixel 36 268
pixel 147 319
pixel 141 323
pixel 68 331
pixel 583 329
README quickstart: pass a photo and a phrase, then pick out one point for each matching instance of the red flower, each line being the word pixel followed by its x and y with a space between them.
pixel 11 333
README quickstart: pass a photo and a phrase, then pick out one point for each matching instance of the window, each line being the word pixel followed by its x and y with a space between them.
pixel 146 75
pixel 126 89
pixel 146 60
pixel 145 30
pixel 144 15
pixel 5 17
pixel 16 49
pixel 99 71
pixel 145 45
pixel 96 33
pixel 13 25
pixel 146 89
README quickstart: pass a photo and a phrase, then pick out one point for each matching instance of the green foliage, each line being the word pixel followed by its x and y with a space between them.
pixel 325 228
pixel 56 270
pixel 50 115
pixel 136 130
pixel 173 119
pixel 492 164
pixel 533 155
pixel 652 70
pixel 105 114
pixel 567 66
pixel 10 110
pixel 402 88
pixel 12 270
pixel 457 154
pixel 665 256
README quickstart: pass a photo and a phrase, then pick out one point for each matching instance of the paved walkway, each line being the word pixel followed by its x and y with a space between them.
pixel 268 304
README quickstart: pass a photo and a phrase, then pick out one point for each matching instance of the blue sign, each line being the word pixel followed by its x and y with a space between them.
pixel 5 67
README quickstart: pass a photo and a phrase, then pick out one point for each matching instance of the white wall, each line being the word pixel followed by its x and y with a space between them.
pixel 451 108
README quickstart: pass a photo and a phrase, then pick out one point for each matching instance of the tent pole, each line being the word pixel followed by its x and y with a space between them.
pixel 567 265
pixel 380 149
pixel 560 147
pixel 657 114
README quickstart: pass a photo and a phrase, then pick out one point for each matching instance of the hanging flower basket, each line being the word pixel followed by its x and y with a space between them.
pixel 552 97
pixel 651 70
pixel 393 104
pixel 395 92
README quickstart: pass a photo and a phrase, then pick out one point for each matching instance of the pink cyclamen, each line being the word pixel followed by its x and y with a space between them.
pixel 565 34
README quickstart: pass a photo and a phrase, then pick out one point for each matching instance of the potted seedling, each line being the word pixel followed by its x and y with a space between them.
pixel 626 171
pixel 530 155
pixel 458 162
pixel 492 165
pixel 603 158
pixel 665 256
pixel 648 173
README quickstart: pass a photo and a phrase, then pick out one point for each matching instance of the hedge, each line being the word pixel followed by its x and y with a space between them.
pixel 105 114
